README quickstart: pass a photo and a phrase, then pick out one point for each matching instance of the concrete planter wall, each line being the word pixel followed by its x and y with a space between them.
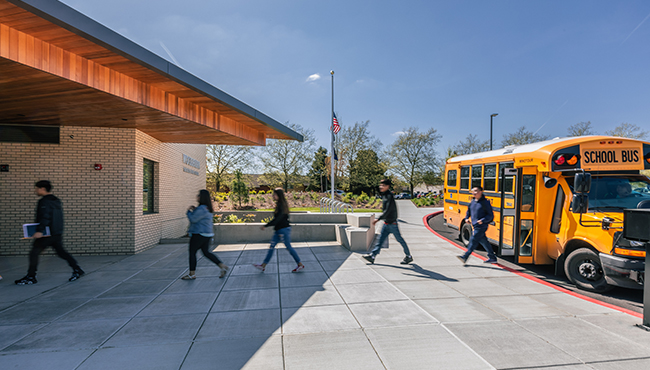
pixel 353 231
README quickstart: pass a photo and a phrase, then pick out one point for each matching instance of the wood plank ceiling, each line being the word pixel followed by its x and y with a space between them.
pixel 52 76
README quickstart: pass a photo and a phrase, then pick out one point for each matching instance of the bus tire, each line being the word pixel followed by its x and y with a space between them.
pixel 466 233
pixel 583 269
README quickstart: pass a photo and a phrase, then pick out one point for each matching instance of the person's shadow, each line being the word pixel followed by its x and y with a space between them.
pixel 417 271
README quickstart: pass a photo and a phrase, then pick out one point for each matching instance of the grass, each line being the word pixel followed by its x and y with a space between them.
pixel 317 209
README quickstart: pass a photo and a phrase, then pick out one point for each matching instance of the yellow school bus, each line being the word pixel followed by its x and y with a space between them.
pixel 531 189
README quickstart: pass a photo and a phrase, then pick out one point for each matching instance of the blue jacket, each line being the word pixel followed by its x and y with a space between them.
pixel 480 210
pixel 200 221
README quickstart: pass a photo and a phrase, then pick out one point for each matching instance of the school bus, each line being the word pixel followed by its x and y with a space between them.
pixel 539 218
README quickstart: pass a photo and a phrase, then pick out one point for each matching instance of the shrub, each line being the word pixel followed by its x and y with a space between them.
pixel 267 220
pixel 269 191
pixel 217 219
pixel 233 219
pixel 249 217
pixel 314 196
pixel 363 198
pixel 346 198
pixel 296 196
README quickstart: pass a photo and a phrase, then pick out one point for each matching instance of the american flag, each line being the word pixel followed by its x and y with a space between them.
pixel 335 124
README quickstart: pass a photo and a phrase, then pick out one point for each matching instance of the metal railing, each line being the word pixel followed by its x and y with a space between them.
pixel 328 205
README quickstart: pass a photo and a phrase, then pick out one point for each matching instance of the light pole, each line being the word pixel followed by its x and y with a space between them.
pixel 491 117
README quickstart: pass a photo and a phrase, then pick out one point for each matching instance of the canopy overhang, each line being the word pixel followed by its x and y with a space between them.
pixel 59 67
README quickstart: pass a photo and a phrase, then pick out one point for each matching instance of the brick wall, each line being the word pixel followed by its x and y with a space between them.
pixel 102 209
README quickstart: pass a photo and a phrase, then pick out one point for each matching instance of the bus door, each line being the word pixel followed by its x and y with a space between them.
pixel 508 208
pixel 525 236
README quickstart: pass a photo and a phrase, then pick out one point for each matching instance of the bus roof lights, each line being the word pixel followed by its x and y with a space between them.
pixel 559 160
pixel 572 161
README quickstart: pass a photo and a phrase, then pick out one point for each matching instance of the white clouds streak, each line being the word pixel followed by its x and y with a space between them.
pixel 637 27
pixel 314 77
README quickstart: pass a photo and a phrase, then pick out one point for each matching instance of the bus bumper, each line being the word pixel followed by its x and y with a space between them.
pixel 623 272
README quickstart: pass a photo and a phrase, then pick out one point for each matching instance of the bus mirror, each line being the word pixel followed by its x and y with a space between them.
pixel 582 183
pixel 580 203
pixel 549 182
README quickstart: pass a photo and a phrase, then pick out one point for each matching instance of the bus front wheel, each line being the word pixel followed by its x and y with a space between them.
pixel 466 233
pixel 583 269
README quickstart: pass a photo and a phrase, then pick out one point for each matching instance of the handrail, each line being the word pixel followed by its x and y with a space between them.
pixel 328 205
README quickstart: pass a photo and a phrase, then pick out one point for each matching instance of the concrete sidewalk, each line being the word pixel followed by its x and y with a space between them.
pixel 340 313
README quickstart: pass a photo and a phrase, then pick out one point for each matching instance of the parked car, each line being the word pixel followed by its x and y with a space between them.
pixel 404 196
pixel 336 191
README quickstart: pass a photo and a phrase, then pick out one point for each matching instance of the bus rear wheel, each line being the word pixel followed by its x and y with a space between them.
pixel 466 233
pixel 583 269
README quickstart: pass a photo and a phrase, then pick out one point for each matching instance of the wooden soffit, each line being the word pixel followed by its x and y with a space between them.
pixel 59 67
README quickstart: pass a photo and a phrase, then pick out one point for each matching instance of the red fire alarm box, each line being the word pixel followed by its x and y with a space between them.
pixel 98 166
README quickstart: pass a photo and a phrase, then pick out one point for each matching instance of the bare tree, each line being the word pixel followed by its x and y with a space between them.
pixel 472 144
pixel 628 130
pixel 223 160
pixel 521 137
pixel 349 142
pixel 286 160
pixel 413 154
pixel 581 129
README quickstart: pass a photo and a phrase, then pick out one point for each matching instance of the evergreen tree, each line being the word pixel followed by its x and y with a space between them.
pixel 239 188
pixel 365 172
pixel 318 171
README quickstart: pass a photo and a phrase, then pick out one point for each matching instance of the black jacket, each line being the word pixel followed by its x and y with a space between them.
pixel 280 220
pixel 49 213
pixel 388 207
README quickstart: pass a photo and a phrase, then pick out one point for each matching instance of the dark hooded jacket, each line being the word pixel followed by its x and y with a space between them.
pixel 388 207
pixel 49 213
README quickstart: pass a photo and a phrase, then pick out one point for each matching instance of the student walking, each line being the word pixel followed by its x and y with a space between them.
pixel 389 215
pixel 280 223
pixel 49 214
pixel 201 232
pixel 480 212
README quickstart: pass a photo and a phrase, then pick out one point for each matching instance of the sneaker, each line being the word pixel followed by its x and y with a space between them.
pixel 407 260
pixel 370 258
pixel 27 280
pixel 188 277
pixel 224 270
pixel 76 274
pixel 259 267
pixel 298 268
pixel 490 260
pixel 462 259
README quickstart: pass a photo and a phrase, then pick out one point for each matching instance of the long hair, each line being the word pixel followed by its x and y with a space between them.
pixel 204 199
pixel 282 206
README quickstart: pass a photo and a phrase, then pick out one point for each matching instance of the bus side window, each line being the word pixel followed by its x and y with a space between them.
pixel 490 175
pixel 477 175
pixel 528 193
pixel 557 210
pixel 464 177
pixel 451 178
pixel 508 184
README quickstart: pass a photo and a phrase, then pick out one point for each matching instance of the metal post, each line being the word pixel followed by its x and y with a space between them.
pixel 646 290
pixel 332 133
pixel 492 116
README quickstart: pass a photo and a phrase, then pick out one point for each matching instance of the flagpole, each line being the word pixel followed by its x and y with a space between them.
pixel 332 139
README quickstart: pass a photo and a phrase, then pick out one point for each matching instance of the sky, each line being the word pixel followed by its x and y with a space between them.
pixel 444 64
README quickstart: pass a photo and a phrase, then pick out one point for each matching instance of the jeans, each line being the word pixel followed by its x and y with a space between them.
pixel 385 231
pixel 56 242
pixel 285 234
pixel 201 242
pixel 478 237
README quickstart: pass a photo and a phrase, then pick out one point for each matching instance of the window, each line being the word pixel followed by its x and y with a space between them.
pixel 490 177
pixel 147 187
pixel 526 238
pixel 557 210
pixel 464 177
pixel 29 134
pixel 508 183
pixel 451 178
pixel 477 175
pixel 528 193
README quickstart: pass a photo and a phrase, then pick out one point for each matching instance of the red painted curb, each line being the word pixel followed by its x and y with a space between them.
pixel 530 277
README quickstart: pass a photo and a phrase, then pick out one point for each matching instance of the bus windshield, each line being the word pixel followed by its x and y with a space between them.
pixel 613 193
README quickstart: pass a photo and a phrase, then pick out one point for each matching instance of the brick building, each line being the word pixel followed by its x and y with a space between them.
pixel 119 131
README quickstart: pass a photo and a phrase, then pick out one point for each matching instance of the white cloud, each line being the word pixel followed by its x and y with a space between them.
pixel 313 77
pixel 398 133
